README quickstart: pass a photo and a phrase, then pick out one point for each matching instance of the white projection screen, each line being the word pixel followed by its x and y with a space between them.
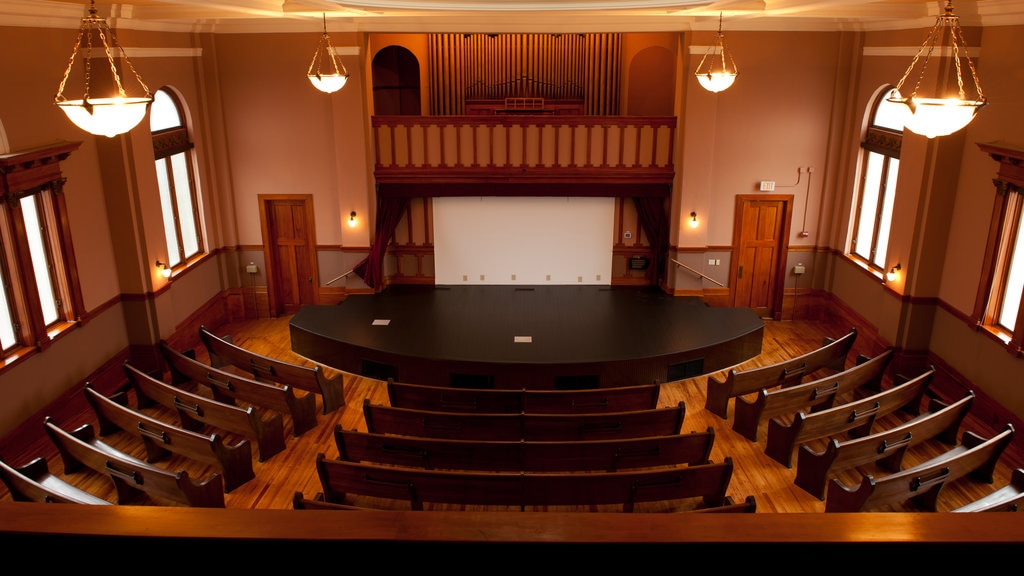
pixel 523 240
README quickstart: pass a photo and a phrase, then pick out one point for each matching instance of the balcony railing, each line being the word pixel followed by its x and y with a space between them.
pixel 524 148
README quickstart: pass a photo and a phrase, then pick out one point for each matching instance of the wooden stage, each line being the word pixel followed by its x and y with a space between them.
pixel 532 337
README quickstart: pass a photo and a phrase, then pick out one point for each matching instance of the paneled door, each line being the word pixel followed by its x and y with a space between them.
pixel 761 240
pixel 289 246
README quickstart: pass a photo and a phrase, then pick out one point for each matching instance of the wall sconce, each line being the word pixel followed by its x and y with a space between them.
pixel 334 75
pixel 940 114
pixel 165 270
pixel 893 273
pixel 693 220
pixel 108 116
pixel 717 79
pixel 352 219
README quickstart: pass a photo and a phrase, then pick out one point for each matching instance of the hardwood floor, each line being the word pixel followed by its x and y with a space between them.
pixel 293 470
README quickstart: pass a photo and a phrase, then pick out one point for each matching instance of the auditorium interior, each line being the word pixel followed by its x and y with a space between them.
pixel 487 143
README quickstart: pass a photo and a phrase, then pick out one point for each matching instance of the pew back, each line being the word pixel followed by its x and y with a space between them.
pixel 624 488
pixel 529 456
pixel 855 417
pixel 831 355
pixel 161 438
pixel 974 456
pixel 133 478
pixel 195 410
pixel 228 387
pixel 447 399
pixel 885 447
pixel 224 352
pixel 473 426
pixel 817 394
pixel 34 482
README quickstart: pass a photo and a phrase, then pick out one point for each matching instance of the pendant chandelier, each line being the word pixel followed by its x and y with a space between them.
pixel 332 76
pixel 712 78
pixel 944 113
pixel 107 116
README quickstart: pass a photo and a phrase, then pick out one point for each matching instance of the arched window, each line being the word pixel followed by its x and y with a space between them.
pixel 879 168
pixel 175 170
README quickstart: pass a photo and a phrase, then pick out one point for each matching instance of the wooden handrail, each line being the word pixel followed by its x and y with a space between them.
pixel 697 272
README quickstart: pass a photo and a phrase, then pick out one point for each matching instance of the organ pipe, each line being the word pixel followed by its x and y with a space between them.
pixel 551 66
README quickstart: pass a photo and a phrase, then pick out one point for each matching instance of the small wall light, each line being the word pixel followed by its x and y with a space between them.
pixel 352 219
pixel 165 270
pixel 893 272
pixel 693 219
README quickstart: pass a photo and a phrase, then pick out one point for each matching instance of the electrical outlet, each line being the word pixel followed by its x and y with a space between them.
pixel 252 268
pixel 799 269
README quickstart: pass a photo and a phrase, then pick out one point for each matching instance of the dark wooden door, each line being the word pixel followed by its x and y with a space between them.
pixel 761 239
pixel 290 252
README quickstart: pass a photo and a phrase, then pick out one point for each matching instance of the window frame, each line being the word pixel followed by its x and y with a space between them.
pixel 1004 225
pixel 170 143
pixel 36 174
pixel 884 142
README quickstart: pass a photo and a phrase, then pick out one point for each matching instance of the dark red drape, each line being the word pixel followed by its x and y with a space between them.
pixel 654 219
pixel 389 212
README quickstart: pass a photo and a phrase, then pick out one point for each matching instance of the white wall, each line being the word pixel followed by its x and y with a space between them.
pixel 496 240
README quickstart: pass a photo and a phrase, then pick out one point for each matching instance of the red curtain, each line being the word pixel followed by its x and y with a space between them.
pixel 654 219
pixel 389 212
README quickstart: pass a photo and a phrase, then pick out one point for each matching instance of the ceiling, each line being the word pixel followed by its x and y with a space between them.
pixel 496 16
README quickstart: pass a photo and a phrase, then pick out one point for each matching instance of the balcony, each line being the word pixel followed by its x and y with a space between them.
pixel 524 154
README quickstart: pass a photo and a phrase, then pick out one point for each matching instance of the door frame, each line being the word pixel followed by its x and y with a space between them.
pixel 782 255
pixel 269 257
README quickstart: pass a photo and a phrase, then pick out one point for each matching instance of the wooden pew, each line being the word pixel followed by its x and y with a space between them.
pixel 885 447
pixel 528 456
pixel 195 410
pixel 975 457
pixel 161 438
pixel 317 502
pixel 747 506
pixel 855 418
pixel 224 352
pixel 228 387
pixel 132 478
pixel 1009 498
pixel 474 426
pixel 34 482
pixel 626 488
pixel 831 356
pixel 446 399
pixel 817 394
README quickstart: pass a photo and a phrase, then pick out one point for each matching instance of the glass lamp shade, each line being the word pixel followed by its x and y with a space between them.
pixel 328 83
pixel 931 117
pixel 106 116
pixel 716 81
